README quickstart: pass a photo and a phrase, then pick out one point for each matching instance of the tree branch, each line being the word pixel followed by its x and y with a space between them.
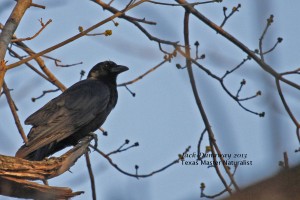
pixel 8 30
pixel 14 172
pixel 14 112
pixel 75 37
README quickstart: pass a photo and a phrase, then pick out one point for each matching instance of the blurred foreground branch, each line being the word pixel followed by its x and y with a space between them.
pixel 15 173
pixel 284 185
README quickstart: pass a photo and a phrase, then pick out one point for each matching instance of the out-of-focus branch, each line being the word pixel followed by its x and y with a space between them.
pixel 226 17
pixel 45 169
pixel 19 188
pixel 14 112
pixel 8 30
pixel 284 185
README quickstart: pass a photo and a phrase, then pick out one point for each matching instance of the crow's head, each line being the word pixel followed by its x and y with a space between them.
pixel 106 70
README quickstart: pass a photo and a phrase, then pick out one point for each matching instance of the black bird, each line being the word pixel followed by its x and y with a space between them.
pixel 72 115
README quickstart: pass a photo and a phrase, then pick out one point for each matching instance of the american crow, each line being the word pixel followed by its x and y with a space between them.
pixel 72 115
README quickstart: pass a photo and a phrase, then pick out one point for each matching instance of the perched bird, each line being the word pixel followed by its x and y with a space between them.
pixel 72 115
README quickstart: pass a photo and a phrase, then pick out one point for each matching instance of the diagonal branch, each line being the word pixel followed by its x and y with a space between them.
pixel 14 112
pixel 143 75
pixel 236 42
pixel 135 22
pixel 75 37
pixel 36 34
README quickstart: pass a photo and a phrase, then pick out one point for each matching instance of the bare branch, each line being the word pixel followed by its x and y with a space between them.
pixel 37 6
pixel 139 175
pixel 226 17
pixel 14 171
pixel 221 80
pixel 135 22
pixel 192 4
pixel 200 106
pixel 14 54
pixel 13 109
pixel 20 188
pixel 68 65
pixel 121 149
pixel 89 166
pixel 269 22
pixel 143 75
pixel 71 39
pixel 236 42
pixel 36 34
pixel 7 32
pixel 33 99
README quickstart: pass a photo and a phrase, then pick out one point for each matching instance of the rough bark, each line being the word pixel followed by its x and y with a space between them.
pixel 15 174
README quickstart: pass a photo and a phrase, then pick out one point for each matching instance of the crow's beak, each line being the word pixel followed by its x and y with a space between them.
pixel 119 69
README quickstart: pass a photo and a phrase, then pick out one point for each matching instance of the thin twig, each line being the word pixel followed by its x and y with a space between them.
pixel 279 40
pixel 36 34
pixel 223 191
pixel 68 65
pixel 226 17
pixel 37 6
pixel 200 106
pixel 269 22
pixel 14 112
pixel 15 54
pixel 42 65
pixel 121 149
pixel 287 108
pixel 143 75
pixel 33 99
pixel 135 175
pixel 199 144
pixel 135 22
pixel 75 37
pixel 221 80
pixel 192 4
pixel 89 166
pixel 236 42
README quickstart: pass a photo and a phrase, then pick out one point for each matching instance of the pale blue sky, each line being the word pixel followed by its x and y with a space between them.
pixel 163 116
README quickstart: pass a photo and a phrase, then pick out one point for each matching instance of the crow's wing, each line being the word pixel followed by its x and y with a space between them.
pixel 66 114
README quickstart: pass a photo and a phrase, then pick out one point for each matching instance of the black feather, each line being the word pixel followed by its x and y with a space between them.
pixel 72 115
